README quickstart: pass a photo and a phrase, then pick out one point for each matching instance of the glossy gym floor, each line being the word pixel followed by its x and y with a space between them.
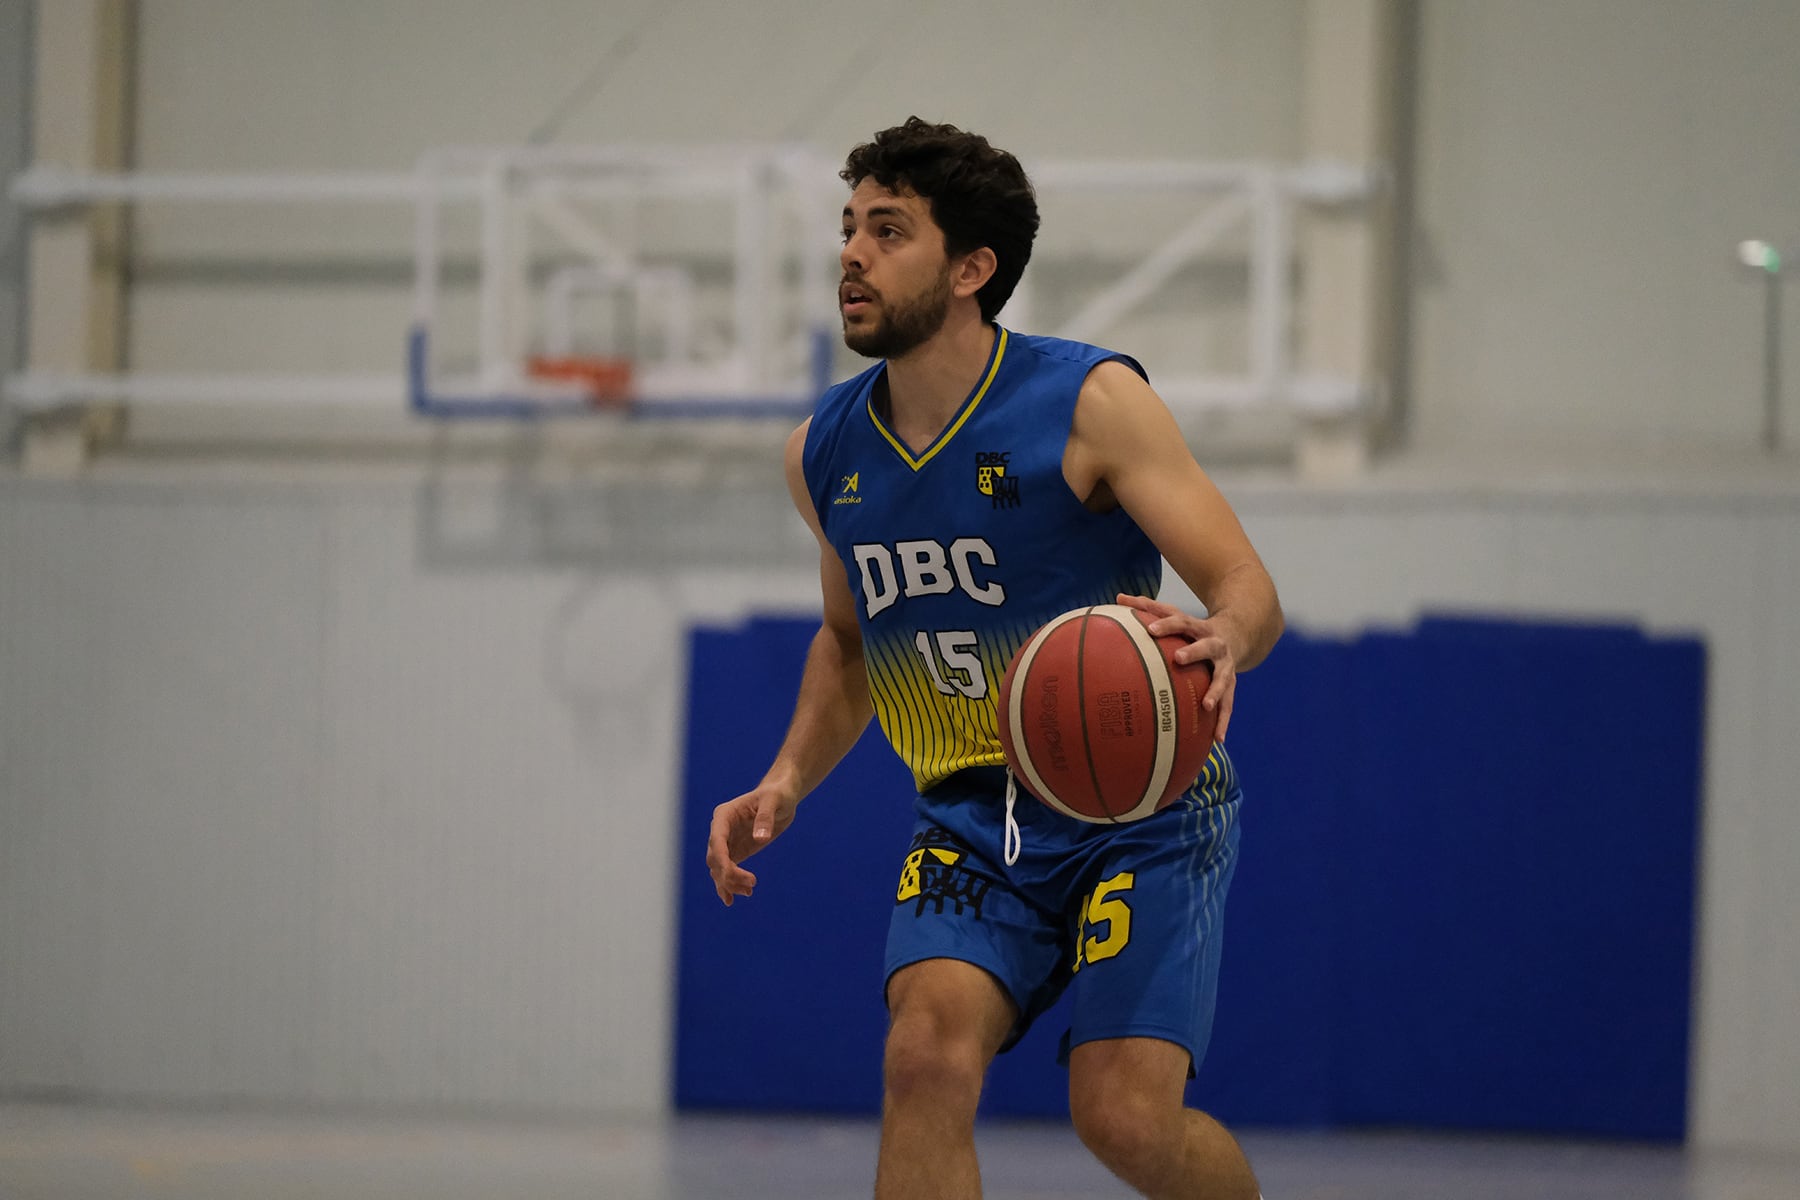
pixel 74 1152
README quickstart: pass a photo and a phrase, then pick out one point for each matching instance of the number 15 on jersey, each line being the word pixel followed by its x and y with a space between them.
pixel 952 663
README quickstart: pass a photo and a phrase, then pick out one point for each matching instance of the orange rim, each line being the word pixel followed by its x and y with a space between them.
pixel 607 381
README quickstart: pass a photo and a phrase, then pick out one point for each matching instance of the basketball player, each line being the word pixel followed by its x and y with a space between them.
pixel 968 487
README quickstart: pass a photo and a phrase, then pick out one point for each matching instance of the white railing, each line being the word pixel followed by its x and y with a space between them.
pixel 782 202
pixel 1262 196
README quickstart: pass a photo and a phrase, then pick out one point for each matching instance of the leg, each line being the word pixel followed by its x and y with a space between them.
pixel 947 1021
pixel 1146 978
pixel 1126 1097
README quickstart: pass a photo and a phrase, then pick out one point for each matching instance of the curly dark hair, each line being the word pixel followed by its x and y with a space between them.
pixel 979 195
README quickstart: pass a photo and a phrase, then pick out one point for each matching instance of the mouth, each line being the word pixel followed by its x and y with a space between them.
pixel 854 299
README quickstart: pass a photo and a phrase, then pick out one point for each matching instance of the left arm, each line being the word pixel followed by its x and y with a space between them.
pixel 1124 446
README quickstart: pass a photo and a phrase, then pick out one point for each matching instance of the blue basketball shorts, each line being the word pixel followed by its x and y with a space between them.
pixel 1128 918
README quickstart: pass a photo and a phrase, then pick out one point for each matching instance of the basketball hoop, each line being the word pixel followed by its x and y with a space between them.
pixel 607 381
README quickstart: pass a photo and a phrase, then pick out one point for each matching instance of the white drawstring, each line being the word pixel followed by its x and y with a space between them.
pixel 1015 842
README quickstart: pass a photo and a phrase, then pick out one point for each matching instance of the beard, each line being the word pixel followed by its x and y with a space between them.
pixel 904 325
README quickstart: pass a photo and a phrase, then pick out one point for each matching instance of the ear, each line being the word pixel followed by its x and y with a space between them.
pixel 973 272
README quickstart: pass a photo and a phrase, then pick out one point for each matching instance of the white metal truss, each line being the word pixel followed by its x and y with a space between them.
pixel 783 202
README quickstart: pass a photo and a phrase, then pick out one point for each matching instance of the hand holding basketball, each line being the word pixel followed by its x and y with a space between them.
pixel 1205 644
pixel 740 827
pixel 1099 718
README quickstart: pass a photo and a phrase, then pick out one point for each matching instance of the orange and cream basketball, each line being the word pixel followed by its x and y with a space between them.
pixel 1098 721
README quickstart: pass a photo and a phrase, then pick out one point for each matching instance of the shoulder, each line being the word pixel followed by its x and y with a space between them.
pixel 1081 357
pixel 819 435
pixel 841 398
pixel 794 467
pixel 1112 382
pixel 1114 395
pixel 794 454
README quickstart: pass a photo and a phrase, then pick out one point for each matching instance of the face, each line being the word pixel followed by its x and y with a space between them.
pixel 896 289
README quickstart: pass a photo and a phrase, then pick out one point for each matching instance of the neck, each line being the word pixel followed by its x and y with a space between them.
pixel 928 384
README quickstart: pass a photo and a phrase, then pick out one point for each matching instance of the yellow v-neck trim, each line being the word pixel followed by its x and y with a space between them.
pixel 949 432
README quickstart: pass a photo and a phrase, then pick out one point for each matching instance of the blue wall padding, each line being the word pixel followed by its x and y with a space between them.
pixel 1524 918
pixel 779 1000
pixel 1465 898
pixel 1273 1057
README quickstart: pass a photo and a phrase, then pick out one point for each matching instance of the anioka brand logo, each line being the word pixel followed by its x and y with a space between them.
pixel 848 493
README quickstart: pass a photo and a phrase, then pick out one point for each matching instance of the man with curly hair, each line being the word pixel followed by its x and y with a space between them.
pixel 972 484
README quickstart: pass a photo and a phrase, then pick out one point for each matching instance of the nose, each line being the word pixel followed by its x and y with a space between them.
pixel 853 257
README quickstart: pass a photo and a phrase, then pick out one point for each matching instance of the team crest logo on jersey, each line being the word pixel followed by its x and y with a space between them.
pixel 992 481
pixel 847 493
pixel 935 873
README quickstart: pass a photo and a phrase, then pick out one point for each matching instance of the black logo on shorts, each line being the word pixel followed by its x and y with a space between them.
pixel 992 481
pixel 936 873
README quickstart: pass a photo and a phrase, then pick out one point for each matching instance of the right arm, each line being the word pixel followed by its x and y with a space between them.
pixel 830 714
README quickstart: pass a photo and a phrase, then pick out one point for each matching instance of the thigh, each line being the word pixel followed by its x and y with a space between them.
pixel 1150 929
pixel 954 901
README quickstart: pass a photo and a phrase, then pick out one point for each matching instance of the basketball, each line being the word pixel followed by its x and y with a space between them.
pixel 1098 722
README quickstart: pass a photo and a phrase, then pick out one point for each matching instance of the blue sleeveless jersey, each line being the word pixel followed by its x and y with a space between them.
pixel 957 553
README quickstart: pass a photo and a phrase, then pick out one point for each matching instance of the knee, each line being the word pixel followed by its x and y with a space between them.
pixel 930 1059
pixel 1135 1134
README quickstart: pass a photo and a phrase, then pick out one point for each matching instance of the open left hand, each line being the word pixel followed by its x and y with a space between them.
pixel 1206 643
pixel 740 827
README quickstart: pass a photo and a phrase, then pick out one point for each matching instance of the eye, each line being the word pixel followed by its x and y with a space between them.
pixel 844 235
